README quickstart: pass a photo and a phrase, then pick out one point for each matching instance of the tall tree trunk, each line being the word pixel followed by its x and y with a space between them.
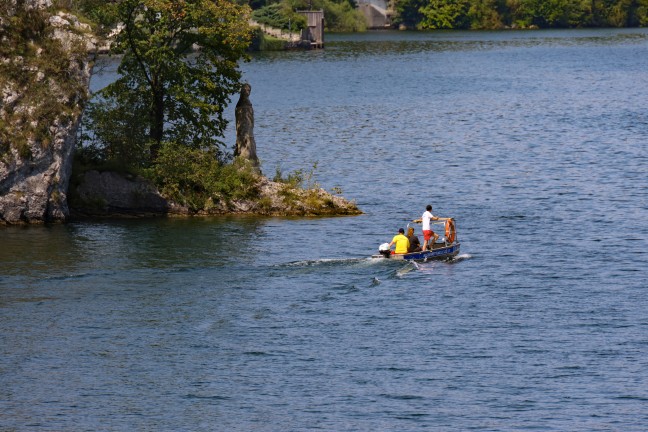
pixel 157 122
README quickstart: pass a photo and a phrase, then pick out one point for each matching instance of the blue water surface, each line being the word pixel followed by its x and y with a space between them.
pixel 534 141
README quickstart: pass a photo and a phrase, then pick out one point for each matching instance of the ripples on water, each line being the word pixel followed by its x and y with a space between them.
pixel 534 141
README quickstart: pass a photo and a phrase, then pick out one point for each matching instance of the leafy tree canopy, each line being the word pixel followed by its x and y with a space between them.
pixel 281 16
pixel 178 71
pixel 490 14
pixel 444 14
pixel 340 15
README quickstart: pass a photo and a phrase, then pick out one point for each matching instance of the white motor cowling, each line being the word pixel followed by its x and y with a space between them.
pixel 383 249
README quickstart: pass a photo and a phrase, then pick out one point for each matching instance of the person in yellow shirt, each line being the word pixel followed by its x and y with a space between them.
pixel 401 242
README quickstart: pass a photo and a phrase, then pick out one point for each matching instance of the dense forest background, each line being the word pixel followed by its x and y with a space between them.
pixel 495 14
pixel 343 15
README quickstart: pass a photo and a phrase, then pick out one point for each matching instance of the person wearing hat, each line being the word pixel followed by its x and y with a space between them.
pixel 401 242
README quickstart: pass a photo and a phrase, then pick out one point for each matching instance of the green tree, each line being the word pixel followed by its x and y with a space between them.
pixel 627 13
pixel 281 16
pixel 445 14
pixel 582 13
pixel 408 12
pixel 485 14
pixel 178 71
pixel 343 16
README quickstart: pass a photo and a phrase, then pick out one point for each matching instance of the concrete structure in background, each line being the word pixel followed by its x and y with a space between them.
pixel 377 13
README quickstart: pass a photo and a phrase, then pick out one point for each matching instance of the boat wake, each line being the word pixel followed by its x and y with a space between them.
pixel 408 268
pixel 460 258
pixel 386 270
pixel 332 262
pixel 376 270
pixel 364 262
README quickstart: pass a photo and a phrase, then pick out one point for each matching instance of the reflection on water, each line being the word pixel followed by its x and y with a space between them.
pixel 381 43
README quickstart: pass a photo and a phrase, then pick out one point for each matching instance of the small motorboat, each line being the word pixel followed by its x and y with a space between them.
pixel 445 248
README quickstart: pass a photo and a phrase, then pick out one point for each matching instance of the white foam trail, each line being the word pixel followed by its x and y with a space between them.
pixel 462 257
pixel 327 261
pixel 402 272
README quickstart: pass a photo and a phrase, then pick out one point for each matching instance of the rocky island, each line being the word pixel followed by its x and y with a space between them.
pixel 45 68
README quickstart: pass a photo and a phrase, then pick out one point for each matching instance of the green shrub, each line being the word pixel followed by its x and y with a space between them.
pixel 198 179
pixel 298 178
pixel 343 17
pixel 263 42
pixel 281 16
pixel 113 132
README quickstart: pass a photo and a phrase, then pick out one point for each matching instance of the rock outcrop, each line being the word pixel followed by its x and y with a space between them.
pixel 45 70
pixel 44 75
pixel 111 194
pixel 245 143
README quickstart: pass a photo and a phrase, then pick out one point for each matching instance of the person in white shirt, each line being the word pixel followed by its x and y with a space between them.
pixel 427 229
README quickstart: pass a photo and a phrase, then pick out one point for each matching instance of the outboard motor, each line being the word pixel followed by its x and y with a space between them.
pixel 383 249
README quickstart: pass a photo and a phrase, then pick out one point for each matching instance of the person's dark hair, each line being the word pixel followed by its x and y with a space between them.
pixel 428 208
pixel 401 230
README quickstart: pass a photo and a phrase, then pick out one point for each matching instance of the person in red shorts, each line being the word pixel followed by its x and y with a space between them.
pixel 428 234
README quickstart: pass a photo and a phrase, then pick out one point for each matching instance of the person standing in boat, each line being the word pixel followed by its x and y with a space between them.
pixel 401 242
pixel 428 234
pixel 414 243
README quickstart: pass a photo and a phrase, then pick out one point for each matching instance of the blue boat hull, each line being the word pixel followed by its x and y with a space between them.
pixel 438 253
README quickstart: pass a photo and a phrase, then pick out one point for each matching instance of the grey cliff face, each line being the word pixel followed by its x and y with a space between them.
pixel 34 175
pixel 34 190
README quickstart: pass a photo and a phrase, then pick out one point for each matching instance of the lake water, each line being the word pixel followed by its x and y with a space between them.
pixel 534 141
